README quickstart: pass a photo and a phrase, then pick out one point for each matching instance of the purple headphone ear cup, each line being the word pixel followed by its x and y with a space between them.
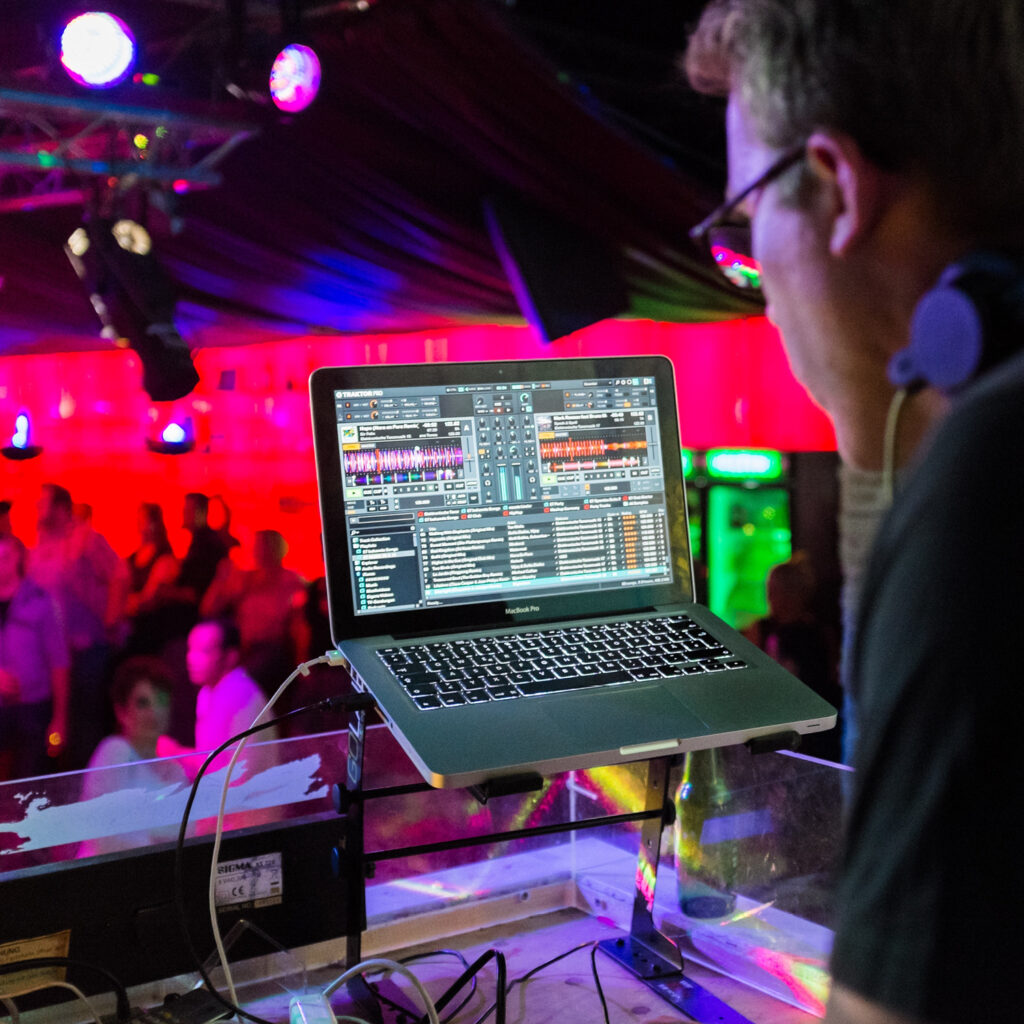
pixel 946 342
pixel 951 323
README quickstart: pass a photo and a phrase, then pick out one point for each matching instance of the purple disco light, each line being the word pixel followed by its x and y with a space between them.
pixel 295 78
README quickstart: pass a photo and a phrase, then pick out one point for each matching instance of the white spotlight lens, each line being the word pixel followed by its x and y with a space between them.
pixel 132 237
pixel 173 433
pixel 97 49
pixel 78 243
pixel 22 431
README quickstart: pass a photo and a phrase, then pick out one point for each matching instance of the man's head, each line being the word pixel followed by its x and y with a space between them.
pixel 934 89
pixel 905 116
pixel 789 589
pixel 268 549
pixel 195 510
pixel 54 508
pixel 214 649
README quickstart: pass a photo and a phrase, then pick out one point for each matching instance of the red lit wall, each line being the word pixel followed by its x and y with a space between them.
pixel 251 416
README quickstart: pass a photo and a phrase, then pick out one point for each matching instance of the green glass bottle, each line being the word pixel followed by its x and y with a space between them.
pixel 706 849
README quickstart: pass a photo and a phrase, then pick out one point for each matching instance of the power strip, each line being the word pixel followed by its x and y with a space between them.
pixel 312 1008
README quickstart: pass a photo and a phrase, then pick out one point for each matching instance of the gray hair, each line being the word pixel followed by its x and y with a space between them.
pixel 922 87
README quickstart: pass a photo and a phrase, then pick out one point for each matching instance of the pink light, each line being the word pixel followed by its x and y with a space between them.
pixel 295 78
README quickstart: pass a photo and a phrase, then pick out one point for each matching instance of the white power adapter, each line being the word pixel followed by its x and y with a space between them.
pixel 311 1008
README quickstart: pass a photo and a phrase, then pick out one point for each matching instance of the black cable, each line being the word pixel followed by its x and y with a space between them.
pixel 597 982
pixel 469 974
pixel 502 988
pixel 443 952
pixel 347 702
pixel 500 1005
pixel 124 1010
pixel 547 963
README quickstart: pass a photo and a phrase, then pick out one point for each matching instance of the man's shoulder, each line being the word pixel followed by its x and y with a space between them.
pixel 964 465
pixel 238 685
pixel 995 395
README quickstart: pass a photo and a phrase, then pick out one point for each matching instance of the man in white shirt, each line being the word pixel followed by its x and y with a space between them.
pixel 229 699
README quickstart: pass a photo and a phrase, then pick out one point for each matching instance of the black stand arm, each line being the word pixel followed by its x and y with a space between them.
pixel 646 952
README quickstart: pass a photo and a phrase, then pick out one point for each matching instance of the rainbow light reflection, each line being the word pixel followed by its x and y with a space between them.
pixel 743 271
pixel 806 977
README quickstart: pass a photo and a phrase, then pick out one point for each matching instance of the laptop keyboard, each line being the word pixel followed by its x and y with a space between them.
pixel 488 668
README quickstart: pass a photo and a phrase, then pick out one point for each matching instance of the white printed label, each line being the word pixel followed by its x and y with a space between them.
pixel 17 983
pixel 254 882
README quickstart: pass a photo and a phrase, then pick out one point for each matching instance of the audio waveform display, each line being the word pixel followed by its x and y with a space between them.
pixel 399 477
pixel 586 447
pixel 380 461
pixel 568 467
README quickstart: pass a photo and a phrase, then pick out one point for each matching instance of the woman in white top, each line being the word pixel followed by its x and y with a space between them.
pixel 141 695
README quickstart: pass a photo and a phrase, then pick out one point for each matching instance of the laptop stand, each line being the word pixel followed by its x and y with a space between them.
pixel 645 952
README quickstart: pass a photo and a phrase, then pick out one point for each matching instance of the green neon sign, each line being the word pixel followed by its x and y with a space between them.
pixel 744 463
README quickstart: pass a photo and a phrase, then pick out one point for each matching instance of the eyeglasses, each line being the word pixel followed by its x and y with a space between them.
pixel 728 239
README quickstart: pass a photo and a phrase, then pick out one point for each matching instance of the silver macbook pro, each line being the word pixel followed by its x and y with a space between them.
pixel 509 570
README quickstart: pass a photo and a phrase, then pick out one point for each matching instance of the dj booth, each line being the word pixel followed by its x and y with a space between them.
pixel 335 851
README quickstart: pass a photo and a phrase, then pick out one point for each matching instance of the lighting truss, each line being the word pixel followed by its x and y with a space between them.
pixel 53 145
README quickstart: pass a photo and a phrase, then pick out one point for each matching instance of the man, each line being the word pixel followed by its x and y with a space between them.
pixel 33 668
pixel 229 699
pixel 261 601
pixel 205 550
pixel 871 144
pixel 177 602
pixel 80 569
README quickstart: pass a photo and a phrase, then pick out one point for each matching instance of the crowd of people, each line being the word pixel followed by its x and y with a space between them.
pixel 87 637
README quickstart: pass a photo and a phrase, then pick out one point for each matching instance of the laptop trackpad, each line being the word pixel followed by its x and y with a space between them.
pixel 626 717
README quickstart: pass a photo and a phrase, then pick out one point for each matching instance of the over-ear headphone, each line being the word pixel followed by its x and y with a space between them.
pixel 968 322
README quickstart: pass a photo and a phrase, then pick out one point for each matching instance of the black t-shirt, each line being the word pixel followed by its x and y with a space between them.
pixel 930 892
pixel 199 565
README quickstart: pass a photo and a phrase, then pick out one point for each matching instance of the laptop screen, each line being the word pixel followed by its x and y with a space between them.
pixel 500 486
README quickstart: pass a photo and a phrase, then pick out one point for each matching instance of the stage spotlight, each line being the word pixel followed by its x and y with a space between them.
pixel 177 438
pixel 21 446
pixel 135 302
pixel 294 78
pixel 97 49
pixel 132 237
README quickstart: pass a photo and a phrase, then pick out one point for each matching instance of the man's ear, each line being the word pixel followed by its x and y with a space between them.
pixel 853 184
